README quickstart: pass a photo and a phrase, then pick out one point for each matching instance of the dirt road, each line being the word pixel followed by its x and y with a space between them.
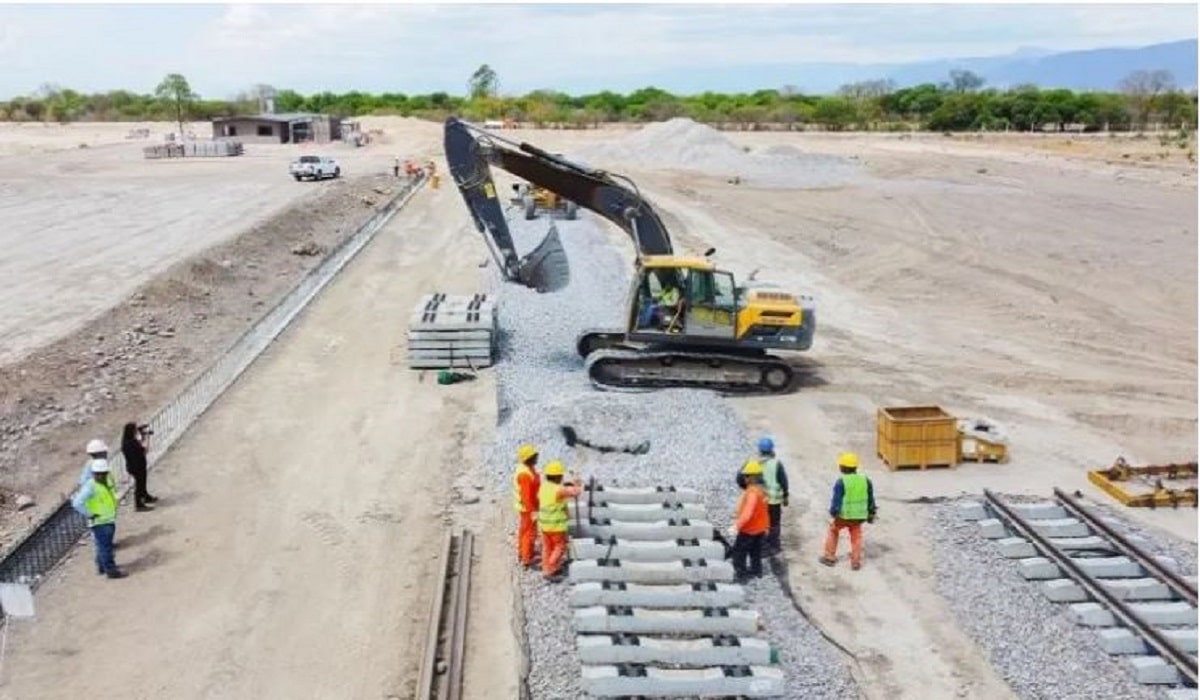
pixel 294 548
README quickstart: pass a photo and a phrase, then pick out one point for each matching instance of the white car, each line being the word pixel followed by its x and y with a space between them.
pixel 314 168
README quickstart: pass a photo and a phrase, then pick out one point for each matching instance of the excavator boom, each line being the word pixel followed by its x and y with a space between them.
pixel 471 151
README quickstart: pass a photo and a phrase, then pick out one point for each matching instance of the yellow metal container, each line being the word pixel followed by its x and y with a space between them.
pixel 916 437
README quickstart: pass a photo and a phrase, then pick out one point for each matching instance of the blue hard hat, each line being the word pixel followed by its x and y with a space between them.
pixel 766 445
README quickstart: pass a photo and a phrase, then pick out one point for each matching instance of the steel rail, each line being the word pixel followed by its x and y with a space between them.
pixel 1093 587
pixel 1179 585
pixel 441 672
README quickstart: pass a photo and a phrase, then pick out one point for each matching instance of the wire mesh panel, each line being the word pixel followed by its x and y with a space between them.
pixel 47 543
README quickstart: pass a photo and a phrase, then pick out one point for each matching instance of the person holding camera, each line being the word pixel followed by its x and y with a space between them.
pixel 135 441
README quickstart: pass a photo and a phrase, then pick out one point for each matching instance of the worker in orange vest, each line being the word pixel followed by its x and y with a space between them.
pixel 853 504
pixel 553 519
pixel 525 486
pixel 750 523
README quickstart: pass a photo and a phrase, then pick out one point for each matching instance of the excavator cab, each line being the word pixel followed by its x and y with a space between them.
pixel 683 297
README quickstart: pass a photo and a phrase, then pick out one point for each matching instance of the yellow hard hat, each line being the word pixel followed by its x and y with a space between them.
pixel 554 468
pixel 752 468
pixel 848 460
pixel 526 452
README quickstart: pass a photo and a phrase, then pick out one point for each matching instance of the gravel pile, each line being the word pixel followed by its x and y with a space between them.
pixel 695 440
pixel 1031 642
pixel 684 144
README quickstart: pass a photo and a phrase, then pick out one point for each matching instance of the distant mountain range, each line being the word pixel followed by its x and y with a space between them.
pixel 1095 69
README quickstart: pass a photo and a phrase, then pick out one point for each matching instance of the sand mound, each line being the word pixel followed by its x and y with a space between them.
pixel 682 144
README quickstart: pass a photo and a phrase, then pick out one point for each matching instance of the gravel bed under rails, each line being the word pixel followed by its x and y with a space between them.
pixel 696 440
pixel 1030 641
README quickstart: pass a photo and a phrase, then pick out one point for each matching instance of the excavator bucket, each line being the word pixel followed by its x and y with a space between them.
pixel 545 268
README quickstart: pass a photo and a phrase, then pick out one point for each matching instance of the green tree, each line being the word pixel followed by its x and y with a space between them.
pixel 174 90
pixel 483 83
pixel 965 80
pixel 834 113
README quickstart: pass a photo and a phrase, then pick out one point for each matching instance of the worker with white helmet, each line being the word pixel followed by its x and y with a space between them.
pixel 97 451
pixel 853 504
pixel 96 500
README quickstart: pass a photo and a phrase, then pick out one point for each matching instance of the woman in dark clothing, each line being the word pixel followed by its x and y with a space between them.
pixel 133 446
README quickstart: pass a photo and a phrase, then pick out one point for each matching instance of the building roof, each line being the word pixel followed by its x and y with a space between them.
pixel 276 118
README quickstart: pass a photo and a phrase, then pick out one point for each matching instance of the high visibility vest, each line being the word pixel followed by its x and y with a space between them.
pixel 771 481
pixel 102 505
pixel 519 502
pixel 552 513
pixel 669 297
pixel 854 497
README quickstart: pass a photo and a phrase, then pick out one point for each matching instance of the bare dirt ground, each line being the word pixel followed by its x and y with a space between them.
pixel 1049 287
pixel 295 547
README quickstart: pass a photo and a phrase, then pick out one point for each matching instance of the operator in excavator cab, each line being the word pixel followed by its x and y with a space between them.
pixel 664 309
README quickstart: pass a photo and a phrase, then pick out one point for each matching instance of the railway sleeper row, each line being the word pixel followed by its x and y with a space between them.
pixel 1145 594
pixel 655 610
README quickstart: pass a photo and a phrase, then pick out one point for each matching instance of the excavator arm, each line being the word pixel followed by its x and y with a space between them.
pixel 470 152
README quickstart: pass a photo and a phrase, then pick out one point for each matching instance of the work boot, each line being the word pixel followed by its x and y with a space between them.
pixel 856 565
pixel 117 573
pixel 827 561
pixel 152 499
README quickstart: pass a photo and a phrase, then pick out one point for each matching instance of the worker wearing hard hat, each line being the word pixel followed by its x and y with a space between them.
pixel 97 501
pixel 775 484
pixel 853 502
pixel 750 524
pixel 97 451
pixel 553 519
pixel 525 486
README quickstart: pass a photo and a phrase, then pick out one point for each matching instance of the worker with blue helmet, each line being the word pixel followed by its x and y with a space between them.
pixel 774 479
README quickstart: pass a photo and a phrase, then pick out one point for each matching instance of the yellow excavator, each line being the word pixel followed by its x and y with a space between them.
pixel 688 323
pixel 534 200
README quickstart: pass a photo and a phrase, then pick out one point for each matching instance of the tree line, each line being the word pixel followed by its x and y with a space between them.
pixel 1146 99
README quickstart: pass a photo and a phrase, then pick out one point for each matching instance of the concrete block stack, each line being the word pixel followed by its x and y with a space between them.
pixel 655 609
pixel 452 332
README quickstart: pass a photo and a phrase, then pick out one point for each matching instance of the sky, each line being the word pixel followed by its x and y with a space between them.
pixel 225 49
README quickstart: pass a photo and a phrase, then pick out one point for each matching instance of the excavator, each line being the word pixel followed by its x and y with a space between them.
pixel 688 324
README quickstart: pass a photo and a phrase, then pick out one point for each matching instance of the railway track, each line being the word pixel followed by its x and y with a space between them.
pixel 655 610
pixel 441 673
pixel 1143 609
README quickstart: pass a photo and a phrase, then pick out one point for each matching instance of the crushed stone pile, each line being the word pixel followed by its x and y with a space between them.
pixel 683 144
pixel 696 441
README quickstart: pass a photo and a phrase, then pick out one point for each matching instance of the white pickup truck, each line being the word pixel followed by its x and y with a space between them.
pixel 314 168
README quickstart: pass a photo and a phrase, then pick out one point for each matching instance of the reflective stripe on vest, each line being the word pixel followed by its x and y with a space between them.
pixel 771 481
pixel 518 504
pixel 102 505
pixel 854 497
pixel 552 513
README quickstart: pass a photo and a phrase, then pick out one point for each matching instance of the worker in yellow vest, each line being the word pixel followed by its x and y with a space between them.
pixel 853 504
pixel 97 501
pixel 775 483
pixel 525 501
pixel 552 518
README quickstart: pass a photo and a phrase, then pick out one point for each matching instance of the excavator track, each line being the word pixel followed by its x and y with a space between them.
pixel 647 370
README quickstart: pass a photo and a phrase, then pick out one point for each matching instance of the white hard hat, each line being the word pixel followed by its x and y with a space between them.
pixel 100 466
pixel 95 446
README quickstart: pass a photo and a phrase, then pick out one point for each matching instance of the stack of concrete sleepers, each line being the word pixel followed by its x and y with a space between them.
pixel 656 612
pixel 448 331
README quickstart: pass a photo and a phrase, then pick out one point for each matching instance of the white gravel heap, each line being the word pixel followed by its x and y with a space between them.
pixel 687 145
pixel 695 439
pixel 1031 642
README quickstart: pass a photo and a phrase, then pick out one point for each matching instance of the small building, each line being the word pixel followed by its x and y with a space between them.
pixel 295 127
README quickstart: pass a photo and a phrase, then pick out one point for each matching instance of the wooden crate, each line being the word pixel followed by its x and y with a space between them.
pixel 917 437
